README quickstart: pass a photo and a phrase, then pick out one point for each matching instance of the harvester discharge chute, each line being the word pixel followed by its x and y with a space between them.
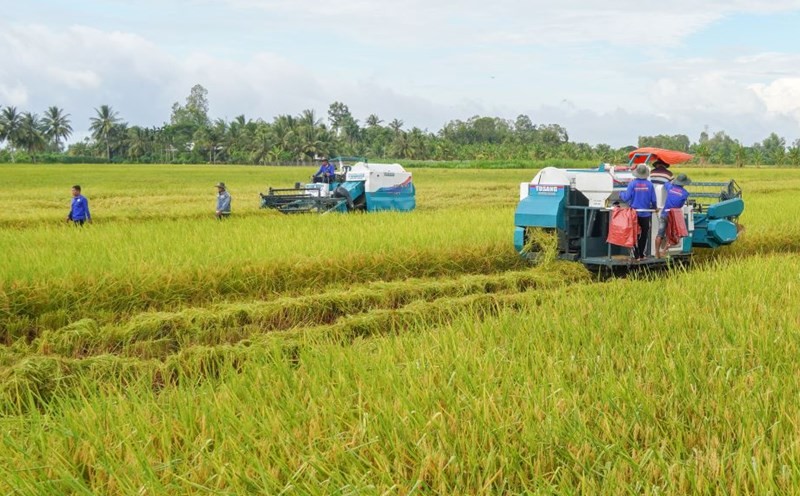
pixel 358 187
pixel 575 206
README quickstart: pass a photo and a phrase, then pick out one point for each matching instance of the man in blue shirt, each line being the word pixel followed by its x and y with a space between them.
pixel 641 195
pixel 325 173
pixel 79 210
pixel 223 202
pixel 676 198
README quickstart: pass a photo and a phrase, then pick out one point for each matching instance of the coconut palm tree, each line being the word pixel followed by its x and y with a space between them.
pixel 102 126
pixel 30 134
pixel 308 118
pixel 264 147
pixel 56 126
pixel 10 123
pixel 139 140
pixel 396 125
pixel 284 128
pixel 210 138
pixel 373 120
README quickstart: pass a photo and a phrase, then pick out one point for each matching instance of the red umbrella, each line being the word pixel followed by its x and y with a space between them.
pixel 671 157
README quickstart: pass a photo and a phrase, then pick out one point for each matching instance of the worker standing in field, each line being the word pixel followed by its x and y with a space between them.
pixel 641 195
pixel 79 209
pixel 676 199
pixel 223 202
pixel 660 173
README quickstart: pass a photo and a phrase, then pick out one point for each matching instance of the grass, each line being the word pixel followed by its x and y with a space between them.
pixel 161 352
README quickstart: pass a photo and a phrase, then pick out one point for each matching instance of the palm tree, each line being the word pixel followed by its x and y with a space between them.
pixel 373 120
pixel 56 126
pixel 314 141
pixel 264 146
pixel 794 155
pixel 30 134
pixel 396 125
pixel 284 128
pixel 352 133
pixel 138 140
pixel 10 123
pixel 238 137
pixel 416 144
pixel 308 118
pixel 103 125
pixel 210 138
pixel 400 146
pixel 739 154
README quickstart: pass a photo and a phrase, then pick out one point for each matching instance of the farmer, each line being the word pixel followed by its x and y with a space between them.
pixel 660 173
pixel 641 195
pixel 79 210
pixel 325 173
pixel 223 202
pixel 676 198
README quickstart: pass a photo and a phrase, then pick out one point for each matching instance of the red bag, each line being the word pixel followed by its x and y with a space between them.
pixel 676 226
pixel 623 228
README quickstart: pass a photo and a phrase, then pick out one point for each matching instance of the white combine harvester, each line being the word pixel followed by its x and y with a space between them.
pixel 361 186
pixel 576 204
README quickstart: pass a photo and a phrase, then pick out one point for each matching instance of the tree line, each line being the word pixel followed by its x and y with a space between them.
pixel 192 137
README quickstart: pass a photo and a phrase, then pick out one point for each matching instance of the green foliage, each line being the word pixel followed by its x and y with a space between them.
pixel 192 137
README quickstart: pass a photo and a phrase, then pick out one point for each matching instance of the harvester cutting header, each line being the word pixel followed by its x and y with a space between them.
pixel 355 185
pixel 579 204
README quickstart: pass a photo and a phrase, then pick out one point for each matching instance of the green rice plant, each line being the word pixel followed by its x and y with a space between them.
pixel 581 388
pixel 383 354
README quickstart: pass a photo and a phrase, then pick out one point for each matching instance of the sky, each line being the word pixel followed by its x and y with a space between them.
pixel 607 71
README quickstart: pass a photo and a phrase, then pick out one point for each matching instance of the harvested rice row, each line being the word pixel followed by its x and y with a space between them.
pixel 166 332
pixel 28 309
pixel 33 379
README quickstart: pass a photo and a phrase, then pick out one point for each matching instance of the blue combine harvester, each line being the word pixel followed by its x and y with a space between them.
pixel 576 204
pixel 358 187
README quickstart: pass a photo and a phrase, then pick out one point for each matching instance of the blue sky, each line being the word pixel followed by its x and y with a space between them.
pixel 608 72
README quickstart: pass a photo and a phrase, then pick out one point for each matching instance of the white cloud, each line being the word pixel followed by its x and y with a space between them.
pixel 705 92
pixel 781 96
pixel 80 68
pixel 79 79
pixel 13 93
pixel 538 22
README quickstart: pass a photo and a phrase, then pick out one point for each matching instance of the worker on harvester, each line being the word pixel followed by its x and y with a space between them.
pixel 641 195
pixel 676 199
pixel 326 172
pixel 660 173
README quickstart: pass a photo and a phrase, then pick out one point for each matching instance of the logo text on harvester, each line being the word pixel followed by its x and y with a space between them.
pixel 546 190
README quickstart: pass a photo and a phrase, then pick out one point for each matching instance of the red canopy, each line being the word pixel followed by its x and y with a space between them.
pixel 671 157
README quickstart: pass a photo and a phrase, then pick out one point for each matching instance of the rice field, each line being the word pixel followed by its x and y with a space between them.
pixel 159 351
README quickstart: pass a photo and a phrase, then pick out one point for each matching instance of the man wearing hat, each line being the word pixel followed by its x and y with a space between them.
pixel 325 173
pixel 660 173
pixel 641 195
pixel 223 202
pixel 676 198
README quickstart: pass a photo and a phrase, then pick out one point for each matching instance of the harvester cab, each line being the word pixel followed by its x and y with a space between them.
pixel 356 185
pixel 577 204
